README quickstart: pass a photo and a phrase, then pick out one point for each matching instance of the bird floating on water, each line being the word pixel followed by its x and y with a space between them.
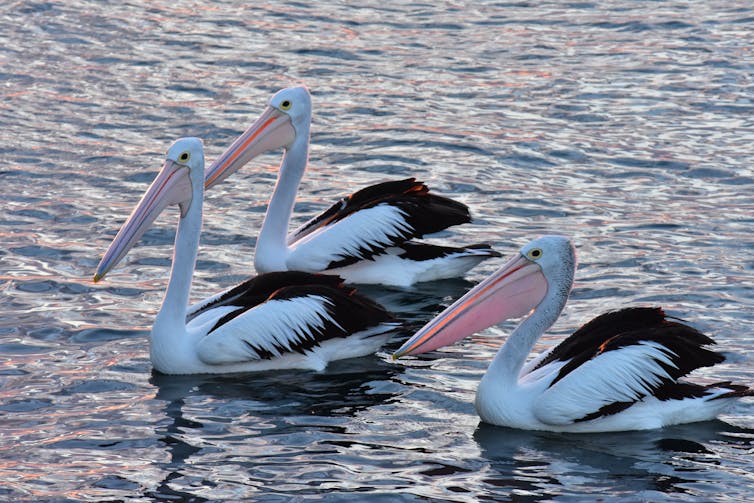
pixel 273 321
pixel 365 237
pixel 621 371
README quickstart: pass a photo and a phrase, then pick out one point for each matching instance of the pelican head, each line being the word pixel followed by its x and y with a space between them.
pixel 182 170
pixel 513 291
pixel 287 117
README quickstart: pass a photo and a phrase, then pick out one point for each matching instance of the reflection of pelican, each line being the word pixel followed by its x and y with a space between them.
pixel 344 388
pixel 549 465
pixel 364 237
pixel 640 445
pixel 278 320
pixel 281 418
pixel 619 372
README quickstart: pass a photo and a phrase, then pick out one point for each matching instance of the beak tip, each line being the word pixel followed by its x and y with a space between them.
pixel 97 277
pixel 397 355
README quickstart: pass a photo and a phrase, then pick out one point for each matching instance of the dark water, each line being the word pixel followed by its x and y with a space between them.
pixel 627 125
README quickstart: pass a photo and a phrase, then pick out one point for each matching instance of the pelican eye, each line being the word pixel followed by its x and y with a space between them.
pixel 534 254
pixel 184 157
pixel 286 105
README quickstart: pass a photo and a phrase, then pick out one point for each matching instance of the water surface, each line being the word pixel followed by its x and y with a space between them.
pixel 626 125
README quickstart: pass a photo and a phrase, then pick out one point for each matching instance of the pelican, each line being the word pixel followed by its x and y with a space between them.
pixel 273 321
pixel 364 237
pixel 621 371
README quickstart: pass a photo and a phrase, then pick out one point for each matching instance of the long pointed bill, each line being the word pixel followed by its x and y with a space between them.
pixel 511 292
pixel 273 129
pixel 172 186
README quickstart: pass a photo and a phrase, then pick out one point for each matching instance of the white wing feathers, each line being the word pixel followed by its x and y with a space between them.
pixel 622 375
pixel 364 231
pixel 277 326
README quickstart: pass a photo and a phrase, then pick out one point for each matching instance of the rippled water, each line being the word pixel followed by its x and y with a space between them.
pixel 627 125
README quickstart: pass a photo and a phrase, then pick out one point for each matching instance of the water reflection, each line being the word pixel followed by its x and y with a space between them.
pixel 419 303
pixel 343 388
pixel 640 463
pixel 251 420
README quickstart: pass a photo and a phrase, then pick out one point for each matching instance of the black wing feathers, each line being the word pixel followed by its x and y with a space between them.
pixel 736 390
pixel 606 410
pixel 675 390
pixel 425 212
pixel 626 327
pixel 422 251
pixel 418 252
pixel 353 313
pixel 257 289
pixel 683 345
pixel 600 329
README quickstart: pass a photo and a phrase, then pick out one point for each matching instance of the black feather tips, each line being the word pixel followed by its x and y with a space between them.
pixel 682 344
pixel 351 311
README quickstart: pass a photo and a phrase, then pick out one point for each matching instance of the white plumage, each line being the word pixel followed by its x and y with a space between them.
pixel 376 228
pixel 275 327
pixel 278 320
pixel 626 375
pixel 621 371
pixel 353 234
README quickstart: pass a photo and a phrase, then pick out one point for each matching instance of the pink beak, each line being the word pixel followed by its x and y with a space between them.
pixel 171 186
pixel 511 292
pixel 273 129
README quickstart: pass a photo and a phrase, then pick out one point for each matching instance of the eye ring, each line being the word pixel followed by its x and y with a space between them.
pixel 534 254
pixel 286 105
pixel 184 157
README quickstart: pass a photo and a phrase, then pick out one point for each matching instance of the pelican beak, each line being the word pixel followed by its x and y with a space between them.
pixel 172 186
pixel 272 130
pixel 511 292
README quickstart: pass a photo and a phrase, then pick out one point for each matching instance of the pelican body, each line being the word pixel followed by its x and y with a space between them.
pixel 621 371
pixel 273 321
pixel 365 237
